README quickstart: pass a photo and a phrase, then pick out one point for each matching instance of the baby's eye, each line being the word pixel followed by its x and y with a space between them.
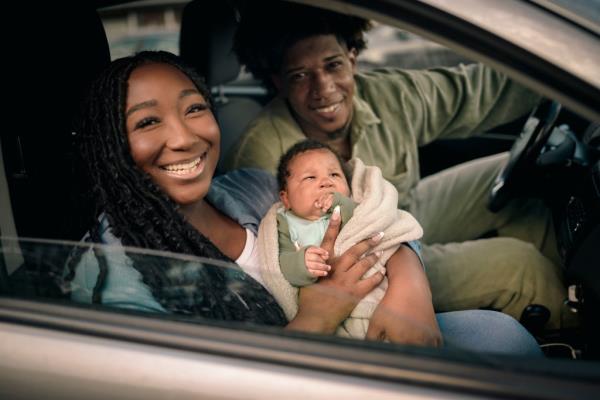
pixel 148 121
pixel 309 178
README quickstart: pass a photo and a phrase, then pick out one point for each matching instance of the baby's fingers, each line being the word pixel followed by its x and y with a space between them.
pixel 318 252
pixel 318 269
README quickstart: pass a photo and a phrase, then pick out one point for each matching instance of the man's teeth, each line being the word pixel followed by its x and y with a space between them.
pixel 328 109
pixel 183 168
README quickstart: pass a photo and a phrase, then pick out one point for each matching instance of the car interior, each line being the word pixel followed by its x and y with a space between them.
pixel 45 194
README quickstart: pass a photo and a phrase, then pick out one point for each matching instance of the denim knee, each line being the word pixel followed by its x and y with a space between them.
pixel 486 331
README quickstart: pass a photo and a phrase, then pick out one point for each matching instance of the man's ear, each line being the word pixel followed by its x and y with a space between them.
pixel 283 196
pixel 276 79
pixel 352 56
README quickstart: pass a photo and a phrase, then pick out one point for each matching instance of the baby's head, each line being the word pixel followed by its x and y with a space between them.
pixel 308 172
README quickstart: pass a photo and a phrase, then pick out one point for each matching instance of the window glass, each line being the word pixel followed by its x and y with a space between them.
pixel 388 46
pixel 142 25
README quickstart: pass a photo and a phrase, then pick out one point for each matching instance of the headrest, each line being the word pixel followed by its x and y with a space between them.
pixel 207 30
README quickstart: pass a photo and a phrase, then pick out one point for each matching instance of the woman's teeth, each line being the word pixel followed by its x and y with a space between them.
pixel 184 168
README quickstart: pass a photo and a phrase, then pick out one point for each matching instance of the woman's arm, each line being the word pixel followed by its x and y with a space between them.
pixel 405 314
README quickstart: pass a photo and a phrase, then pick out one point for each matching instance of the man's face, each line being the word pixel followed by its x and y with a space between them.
pixel 317 80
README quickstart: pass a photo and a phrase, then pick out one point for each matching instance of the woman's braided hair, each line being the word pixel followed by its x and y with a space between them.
pixel 141 214
pixel 268 28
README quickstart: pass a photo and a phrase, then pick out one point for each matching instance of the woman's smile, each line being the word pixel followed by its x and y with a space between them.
pixel 173 135
pixel 189 169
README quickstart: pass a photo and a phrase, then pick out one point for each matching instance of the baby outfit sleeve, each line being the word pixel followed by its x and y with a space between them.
pixel 291 260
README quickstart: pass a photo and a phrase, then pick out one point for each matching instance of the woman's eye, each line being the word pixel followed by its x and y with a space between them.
pixel 335 174
pixel 144 123
pixel 195 108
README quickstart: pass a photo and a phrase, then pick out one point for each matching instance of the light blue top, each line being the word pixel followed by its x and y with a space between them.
pixel 304 232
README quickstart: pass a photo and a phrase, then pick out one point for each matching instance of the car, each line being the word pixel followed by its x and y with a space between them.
pixel 52 346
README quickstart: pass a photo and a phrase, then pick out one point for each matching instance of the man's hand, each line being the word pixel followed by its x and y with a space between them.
pixel 405 314
pixel 395 324
pixel 315 260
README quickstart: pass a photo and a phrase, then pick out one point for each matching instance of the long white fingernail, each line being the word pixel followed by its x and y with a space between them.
pixel 376 238
pixel 336 213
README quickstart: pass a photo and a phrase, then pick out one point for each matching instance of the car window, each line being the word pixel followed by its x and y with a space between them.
pixel 388 46
pixel 142 25
pixel 193 289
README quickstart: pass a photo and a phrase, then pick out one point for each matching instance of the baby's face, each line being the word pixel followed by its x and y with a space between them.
pixel 314 175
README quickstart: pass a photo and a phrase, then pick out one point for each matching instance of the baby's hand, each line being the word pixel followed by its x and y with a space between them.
pixel 324 202
pixel 314 259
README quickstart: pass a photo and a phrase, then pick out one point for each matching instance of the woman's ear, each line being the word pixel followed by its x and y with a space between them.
pixel 284 199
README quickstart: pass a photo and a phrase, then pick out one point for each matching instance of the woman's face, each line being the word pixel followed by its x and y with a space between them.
pixel 172 132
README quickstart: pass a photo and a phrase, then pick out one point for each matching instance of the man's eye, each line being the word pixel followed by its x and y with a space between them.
pixel 195 108
pixel 334 65
pixel 149 121
pixel 297 77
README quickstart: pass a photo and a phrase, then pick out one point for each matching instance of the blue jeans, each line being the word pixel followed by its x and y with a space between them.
pixel 486 331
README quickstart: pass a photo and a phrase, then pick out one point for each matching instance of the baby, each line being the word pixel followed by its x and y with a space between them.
pixel 313 184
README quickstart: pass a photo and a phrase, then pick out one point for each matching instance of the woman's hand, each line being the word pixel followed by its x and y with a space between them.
pixel 325 304
pixel 405 314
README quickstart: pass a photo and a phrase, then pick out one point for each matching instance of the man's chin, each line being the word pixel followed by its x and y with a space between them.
pixel 334 133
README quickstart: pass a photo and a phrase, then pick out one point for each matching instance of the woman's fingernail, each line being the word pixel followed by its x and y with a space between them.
pixel 376 238
pixel 379 254
pixel 336 213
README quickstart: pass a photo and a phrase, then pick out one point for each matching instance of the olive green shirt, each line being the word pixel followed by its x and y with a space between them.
pixel 395 112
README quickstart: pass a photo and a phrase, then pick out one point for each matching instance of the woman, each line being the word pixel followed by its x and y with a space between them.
pixel 152 144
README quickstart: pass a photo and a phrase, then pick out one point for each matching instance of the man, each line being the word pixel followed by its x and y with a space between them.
pixel 308 57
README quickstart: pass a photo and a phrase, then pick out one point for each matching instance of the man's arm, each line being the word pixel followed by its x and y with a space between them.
pixel 405 314
pixel 454 102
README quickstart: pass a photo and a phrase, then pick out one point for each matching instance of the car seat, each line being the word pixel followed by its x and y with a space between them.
pixel 62 54
pixel 206 40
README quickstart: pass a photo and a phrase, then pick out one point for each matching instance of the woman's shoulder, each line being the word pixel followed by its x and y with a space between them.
pixel 245 195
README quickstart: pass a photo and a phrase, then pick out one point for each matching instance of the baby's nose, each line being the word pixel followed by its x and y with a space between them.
pixel 326 182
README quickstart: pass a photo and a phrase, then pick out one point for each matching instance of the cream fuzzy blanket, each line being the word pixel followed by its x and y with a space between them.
pixel 376 211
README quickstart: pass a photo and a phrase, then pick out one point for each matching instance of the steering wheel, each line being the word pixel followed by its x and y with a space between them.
pixel 524 153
